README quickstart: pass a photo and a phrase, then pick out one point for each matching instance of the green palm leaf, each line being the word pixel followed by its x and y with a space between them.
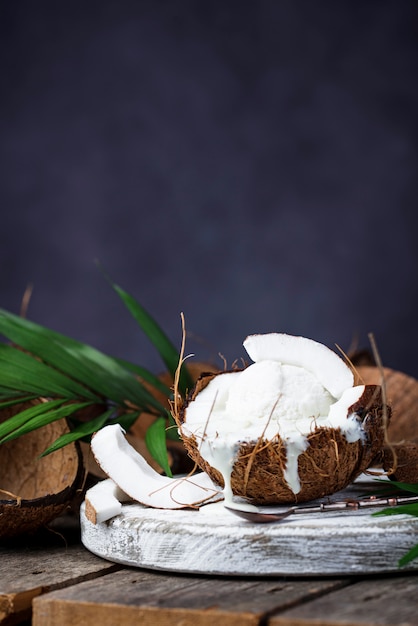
pixel 80 362
pixel 147 376
pixel 14 398
pixel 20 421
pixel 126 420
pixel 406 509
pixel 409 556
pixel 155 438
pixel 39 416
pixel 83 430
pixel 167 351
pixel 71 375
pixel 22 372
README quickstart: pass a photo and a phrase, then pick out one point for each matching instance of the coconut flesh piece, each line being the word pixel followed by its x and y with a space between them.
pixel 104 500
pixel 133 478
pixel 323 363
pixel 294 388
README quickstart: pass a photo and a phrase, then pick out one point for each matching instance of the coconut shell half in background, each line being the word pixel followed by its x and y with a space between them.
pixel 400 461
pixel 400 457
pixel 35 490
pixel 402 396
pixel 329 463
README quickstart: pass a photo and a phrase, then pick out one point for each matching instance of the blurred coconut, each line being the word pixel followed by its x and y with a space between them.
pixel 400 461
pixel 402 396
pixel 400 455
pixel 34 490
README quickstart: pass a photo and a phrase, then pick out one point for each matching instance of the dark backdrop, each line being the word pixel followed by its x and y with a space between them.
pixel 252 164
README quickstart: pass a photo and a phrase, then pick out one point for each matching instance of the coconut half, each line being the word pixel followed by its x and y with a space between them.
pixel 34 490
pixel 288 428
pixel 400 456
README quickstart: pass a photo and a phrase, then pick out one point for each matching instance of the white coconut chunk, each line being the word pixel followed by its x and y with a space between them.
pixel 130 471
pixel 338 416
pixel 282 393
pixel 325 364
pixel 266 398
pixel 104 501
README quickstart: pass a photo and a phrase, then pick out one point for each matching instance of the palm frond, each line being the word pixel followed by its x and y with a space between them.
pixel 70 376
pixel 165 348
pixel 21 372
pixel 404 509
pixel 83 430
pixel 156 443
pixel 37 416
pixel 78 361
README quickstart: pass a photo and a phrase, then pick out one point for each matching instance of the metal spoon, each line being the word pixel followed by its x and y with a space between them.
pixel 261 517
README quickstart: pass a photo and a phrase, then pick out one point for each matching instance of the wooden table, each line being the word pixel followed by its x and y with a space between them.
pixel 52 580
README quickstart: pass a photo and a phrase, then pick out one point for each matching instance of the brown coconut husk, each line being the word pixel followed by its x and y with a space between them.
pixel 402 395
pixel 400 461
pixel 35 490
pixel 329 464
pixel 399 457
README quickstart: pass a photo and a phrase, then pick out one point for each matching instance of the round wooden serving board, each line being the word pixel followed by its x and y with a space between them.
pixel 213 541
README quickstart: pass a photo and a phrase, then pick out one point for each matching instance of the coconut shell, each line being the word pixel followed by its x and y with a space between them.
pixel 400 460
pixel 35 490
pixel 329 463
pixel 402 396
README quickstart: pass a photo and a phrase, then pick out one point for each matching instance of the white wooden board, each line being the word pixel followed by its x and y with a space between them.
pixel 216 542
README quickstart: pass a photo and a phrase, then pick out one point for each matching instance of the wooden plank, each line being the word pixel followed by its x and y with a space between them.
pixel 380 602
pixel 130 597
pixel 32 566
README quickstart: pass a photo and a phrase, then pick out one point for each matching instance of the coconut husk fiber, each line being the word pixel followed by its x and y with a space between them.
pixel 329 463
pixel 35 490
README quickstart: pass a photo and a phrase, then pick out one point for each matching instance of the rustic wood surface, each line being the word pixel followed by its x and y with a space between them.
pixel 385 602
pixel 152 598
pixel 131 597
pixel 49 560
pixel 52 580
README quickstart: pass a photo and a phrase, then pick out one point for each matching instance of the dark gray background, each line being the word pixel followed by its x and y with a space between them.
pixel 252 164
